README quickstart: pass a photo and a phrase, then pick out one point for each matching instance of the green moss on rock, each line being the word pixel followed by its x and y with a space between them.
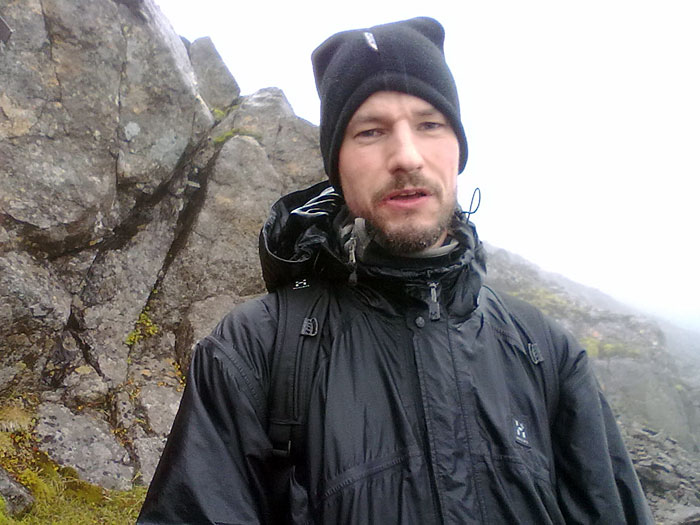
pixel 145 327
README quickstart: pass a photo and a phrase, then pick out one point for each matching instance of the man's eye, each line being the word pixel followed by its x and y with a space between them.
pixel 431 125
pixel 368 133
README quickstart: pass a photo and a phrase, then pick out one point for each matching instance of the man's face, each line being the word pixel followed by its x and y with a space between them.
pixel 398 168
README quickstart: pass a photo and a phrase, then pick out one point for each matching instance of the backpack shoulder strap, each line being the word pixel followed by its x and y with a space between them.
pixel 535 335
pixel 303 306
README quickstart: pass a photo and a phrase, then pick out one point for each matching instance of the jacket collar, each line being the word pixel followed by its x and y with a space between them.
pixel 302 237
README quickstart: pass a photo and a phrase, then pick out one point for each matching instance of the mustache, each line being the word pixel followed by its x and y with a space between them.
pixel 403 180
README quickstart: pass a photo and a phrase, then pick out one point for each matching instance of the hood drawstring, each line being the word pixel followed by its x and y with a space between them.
pixel 476 195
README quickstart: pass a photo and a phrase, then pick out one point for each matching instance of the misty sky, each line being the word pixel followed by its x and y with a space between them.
pixel 583 122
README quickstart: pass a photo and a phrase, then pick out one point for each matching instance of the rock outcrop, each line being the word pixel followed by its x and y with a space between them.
pixel 134 180
pixel 133 184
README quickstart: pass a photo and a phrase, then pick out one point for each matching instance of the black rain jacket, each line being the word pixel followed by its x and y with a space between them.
pixel 424 406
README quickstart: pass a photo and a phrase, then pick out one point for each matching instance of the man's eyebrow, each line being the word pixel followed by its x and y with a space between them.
pixel 368 118
pixel 428 112
pixel 371 118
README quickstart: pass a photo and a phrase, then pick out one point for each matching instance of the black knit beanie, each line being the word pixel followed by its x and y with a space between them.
pixel 404 56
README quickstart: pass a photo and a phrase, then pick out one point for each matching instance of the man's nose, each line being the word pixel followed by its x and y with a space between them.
pixel 405 151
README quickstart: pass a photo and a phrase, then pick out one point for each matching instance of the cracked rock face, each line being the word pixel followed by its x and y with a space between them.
pixel 128 226
pixel 93 97
pixel 118 286
pixel 56 177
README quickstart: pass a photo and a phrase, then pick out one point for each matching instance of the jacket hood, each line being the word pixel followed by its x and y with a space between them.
pixel 300 239
pixel 298 230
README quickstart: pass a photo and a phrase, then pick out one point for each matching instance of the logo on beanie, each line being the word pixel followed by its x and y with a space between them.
pixel 371 42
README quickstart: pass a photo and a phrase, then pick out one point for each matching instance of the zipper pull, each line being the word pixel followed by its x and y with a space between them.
pixel 434 303
pixel 352 259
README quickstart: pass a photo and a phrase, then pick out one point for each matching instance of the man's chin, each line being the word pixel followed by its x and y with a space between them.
pixel 410 240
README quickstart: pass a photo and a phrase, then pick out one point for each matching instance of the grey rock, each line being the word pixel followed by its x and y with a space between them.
pixel 34 307
pixel 223 238
pixel 119 284
pixel 124 409
pixel 57 175
pixel 668 472
pixel 17 498
pixel 30 294
pixel 84 386
pixel 67 360
pixel 26 67
pixel 154 360
pixel 291 143
pixel 87 50
pixel 216 85
pixel 160 404
pixel 240 188
pixel 8 371
pixel 57 189
pixel 83 85
pixel 658 480
pixel 199 320
pixel 85 443
pixel 72 269
pixel 679 515
pixel 148 450
pixel 5 238
pixel 160 109
pixel 204 315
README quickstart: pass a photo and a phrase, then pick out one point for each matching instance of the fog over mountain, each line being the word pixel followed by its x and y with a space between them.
pixel 686 324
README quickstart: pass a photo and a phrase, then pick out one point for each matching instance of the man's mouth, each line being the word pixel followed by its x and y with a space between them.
pixel 406 194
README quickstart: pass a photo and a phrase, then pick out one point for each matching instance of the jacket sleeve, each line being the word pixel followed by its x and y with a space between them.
pixel 596 481
pixel 212 467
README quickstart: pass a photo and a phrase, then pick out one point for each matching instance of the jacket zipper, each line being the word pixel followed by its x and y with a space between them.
pixel 352 259
pixel 434 301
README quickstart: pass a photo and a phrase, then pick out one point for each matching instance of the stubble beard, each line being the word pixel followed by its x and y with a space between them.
pixel 407 238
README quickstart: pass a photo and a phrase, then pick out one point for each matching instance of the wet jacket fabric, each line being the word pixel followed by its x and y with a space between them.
pixel 424 406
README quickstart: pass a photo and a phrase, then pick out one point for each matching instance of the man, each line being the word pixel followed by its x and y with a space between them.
pixel 426 404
